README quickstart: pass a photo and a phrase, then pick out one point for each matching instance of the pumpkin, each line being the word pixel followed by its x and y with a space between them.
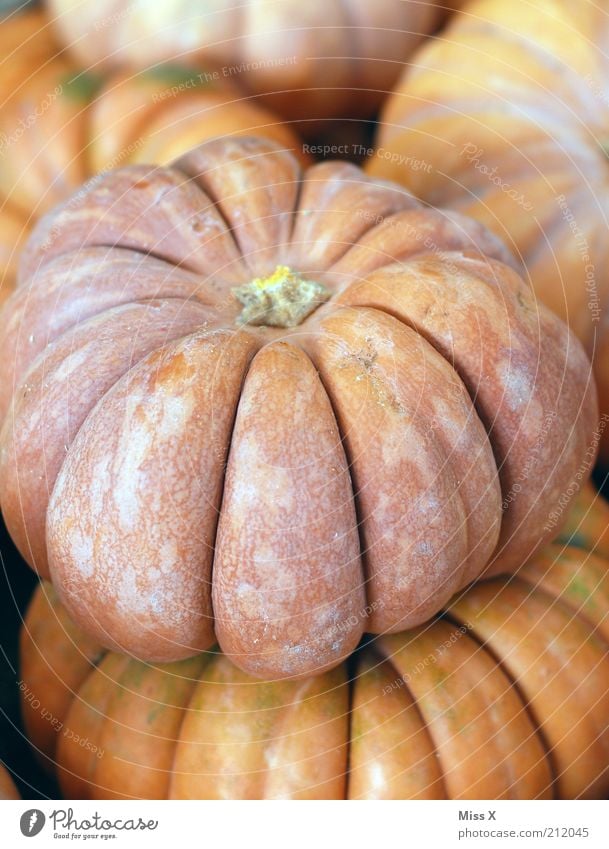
pixel 507 111
pixel 8 789
pixel 60 125
pixel 587 524
pixel 322 61
pixel 465 707
pixel 344 402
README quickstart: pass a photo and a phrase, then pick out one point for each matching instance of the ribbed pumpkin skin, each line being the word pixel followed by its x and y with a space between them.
pixel 319 61
pixel 432 713
pixel 508 113
pixel 8 789
pixel 62 125
pixel 174 438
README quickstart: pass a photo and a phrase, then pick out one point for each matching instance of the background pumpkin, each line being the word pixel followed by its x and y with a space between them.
pixel 506 696
pixel 508 111
pixel 60 125
pixel 7 785
pixel 172 432
pixel 587 524
pixel 319 62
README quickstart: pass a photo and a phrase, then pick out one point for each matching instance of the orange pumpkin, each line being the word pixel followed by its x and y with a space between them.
pixel 60 125
pixel 505 117
pixel 465 707
pixel 322 60
pixel 8 789
pixel 587 524
pixel 343 400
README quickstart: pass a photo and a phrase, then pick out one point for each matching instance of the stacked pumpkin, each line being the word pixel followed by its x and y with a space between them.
pixel 504 696
pixel 60 124
pixel 508 111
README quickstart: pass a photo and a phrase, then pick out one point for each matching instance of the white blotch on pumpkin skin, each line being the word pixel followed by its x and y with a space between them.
pixel 175 413
pixel 518 387
pixel 71 363
pixel 81 552
pixel 168 556
pixel 135 444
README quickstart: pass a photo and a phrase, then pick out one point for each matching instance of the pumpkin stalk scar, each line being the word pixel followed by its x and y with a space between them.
pixel 283 299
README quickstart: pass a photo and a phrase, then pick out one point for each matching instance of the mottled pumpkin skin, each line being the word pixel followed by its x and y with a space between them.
pixel 429 714
pixel 60 125
pixel 319 61
pixel 505 118
pixel 346 474
pixel 8 790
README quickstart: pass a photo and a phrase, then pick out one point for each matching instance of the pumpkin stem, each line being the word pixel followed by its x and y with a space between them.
pixel 283 299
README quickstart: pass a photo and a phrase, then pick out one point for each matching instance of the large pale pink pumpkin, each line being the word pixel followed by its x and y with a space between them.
pixel 276 407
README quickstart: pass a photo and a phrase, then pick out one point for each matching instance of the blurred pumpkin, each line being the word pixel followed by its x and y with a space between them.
pixel 343 400
pixel 587 524
pixel 508 110
pixel 60 125
pixel 314 61
pixel 505 696
pixel 8 789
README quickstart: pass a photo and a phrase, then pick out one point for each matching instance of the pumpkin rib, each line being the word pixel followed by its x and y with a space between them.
pixel 55 658
pixel 573 582
pixel 286 542
pixel 51 411
pixel 374 663
pixel 441 704
pixel 453 617
pixel 143 397
pixel 28 305
pixel 534 689
pixel 169 182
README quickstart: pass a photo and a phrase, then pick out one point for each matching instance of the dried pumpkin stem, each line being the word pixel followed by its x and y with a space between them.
pixel 283 299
